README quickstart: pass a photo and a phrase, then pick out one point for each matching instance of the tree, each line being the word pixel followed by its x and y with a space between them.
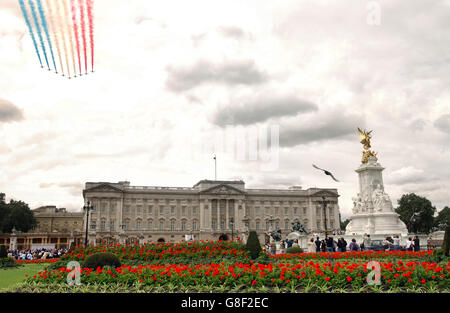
pixel 442 220
pixel 16 214
pixel 446 244
pixel 345 223
pixel 416 212
pixel 253 245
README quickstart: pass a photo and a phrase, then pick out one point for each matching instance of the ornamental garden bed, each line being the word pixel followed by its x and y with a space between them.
pixel 226 267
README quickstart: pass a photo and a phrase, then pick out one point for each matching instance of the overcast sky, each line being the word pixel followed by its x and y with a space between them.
pixel 173 77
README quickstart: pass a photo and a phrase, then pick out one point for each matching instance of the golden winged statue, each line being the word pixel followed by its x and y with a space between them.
pixel 365 140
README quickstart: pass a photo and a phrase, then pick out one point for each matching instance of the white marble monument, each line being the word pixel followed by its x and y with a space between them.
pixel 373 212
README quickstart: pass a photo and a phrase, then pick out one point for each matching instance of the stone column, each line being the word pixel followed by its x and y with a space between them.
pixel 218 214
pixel 227 218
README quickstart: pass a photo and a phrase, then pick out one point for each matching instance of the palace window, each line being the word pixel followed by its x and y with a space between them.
pixel 111 225
pixel 194 210
pixel 286 224
pixel 139 209
pixel 318 224
pixel 172 225
pixel 276 211
pixel 222 224
pixel 332 224
pixel 295 211
pixel 150 225
pixel 102 225
pixel 161 209
pixel 150 209
pixel 125 225
pixel 257 225
pixel 172 210
pixel 246 224
pixel 127 209
pixel 75 223
pixel 183 225
pixel 267 225
pixel 213 224
pixel 161 225
pixel 256 211
pixel 93 225
pixel 286 211
pixel 112 210
pixel 304 211
pixel 183 210
pixel 138 224
pixel 267 210
pixel 194 225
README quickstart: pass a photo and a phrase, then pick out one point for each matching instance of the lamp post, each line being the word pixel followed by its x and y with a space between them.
pixel 87 207
pixel 325 203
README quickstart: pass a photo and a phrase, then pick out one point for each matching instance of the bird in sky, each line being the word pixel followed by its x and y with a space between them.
pixel 326 172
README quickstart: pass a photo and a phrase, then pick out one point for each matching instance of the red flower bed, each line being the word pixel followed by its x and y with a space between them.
pixel 341 274
pixel 361 255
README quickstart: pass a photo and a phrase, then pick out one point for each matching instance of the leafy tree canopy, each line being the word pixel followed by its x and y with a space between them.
pixel 16 214
pixel 442 220
pixel 416 212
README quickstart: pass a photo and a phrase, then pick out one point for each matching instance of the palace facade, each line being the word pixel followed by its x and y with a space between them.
pixel 56 228
pixel 209 210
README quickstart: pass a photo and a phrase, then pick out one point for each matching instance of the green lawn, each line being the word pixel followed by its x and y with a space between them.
pixel 10 277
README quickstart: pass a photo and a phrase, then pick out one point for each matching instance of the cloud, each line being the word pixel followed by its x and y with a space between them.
pixel 320 127
pixel 229 73
pixel 443 123
pixel 73 188
pixel 261 109
pixel 407 175
pixel 9 112
pixel 231 32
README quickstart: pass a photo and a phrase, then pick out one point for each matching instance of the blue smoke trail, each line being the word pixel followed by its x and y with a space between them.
pixel 38 28
pixel 44 24
pixel 30 29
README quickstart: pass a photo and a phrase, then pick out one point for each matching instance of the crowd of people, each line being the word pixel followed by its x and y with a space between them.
pixel 36 254
pixel 330 244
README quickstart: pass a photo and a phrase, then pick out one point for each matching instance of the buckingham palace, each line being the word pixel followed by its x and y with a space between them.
pixel 210 210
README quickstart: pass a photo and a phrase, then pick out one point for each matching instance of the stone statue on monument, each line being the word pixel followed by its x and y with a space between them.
pixel 381 200
pixel 298 227
pixel 357 204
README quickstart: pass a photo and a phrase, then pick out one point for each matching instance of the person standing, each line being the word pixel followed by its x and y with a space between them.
pixel 367 242
pixel 342 244
pixel 409 244
pixel 396 243
pixel 311 245
pixel 318 244
pixel 416 243
pixel 330 244
pixel 323 245
pixel 353 245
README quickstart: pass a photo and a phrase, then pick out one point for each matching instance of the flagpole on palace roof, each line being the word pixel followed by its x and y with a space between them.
pixel 215 167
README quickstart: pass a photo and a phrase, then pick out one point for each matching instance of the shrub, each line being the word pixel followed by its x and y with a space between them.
pixel 294 250
pixel 264 258
pixel 253 245
pixel 8 263
pixel 102 259
pixel 3 253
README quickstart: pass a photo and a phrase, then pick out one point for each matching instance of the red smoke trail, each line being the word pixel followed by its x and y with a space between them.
pixel 75 30
pixel 91 30
pixel 83 32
